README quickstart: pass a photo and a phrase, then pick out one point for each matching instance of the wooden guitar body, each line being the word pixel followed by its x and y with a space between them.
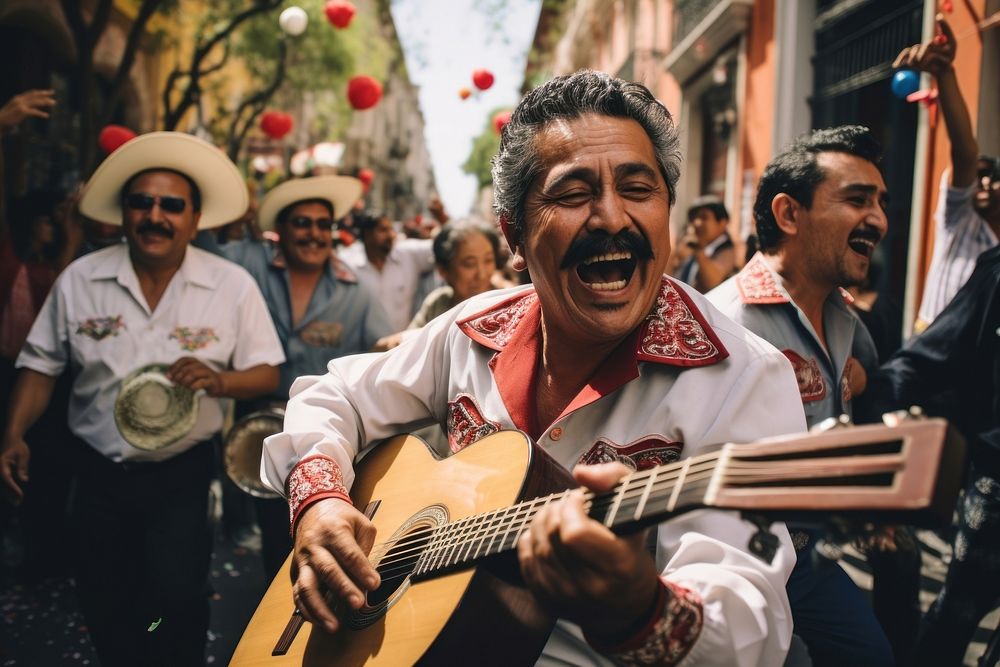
pixel 481 613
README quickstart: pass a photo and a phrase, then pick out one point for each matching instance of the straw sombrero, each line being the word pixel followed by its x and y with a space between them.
pixel 341 191
pixel 223 192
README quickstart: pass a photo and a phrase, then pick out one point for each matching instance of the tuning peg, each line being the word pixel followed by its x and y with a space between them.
pixel 831 423
pixel 899 416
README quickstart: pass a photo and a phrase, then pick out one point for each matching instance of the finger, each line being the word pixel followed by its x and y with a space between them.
pixel 901 59
pixel 336 579
pixel 600 477
pixel 311 602
pixel 37 113
pixel 945 28
pixel 921 56
pixel 6 472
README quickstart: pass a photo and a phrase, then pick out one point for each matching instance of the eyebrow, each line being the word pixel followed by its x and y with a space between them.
pixel 587 174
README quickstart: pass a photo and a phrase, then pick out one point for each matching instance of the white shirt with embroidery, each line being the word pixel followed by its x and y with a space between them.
pixel 96 319
pixel 688 379
pixel 396 285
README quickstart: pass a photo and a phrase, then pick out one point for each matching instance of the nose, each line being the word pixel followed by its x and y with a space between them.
pixel 879 220
pixel 608 213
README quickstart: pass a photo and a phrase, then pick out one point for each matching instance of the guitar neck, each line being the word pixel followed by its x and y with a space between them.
pixel 876 471
pixel 639 500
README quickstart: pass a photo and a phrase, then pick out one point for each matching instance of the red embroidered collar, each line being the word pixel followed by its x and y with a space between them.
pixel 758 284
pixel 674 333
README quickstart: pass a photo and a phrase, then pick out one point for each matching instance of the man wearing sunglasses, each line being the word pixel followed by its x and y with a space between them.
pixel 319 308
pixel 141 504
pixel 967 220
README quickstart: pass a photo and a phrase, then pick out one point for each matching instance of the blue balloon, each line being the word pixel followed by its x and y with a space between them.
pixel 904 83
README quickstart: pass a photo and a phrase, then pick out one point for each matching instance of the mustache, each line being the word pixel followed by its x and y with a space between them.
pixel 601 243
pixel 866 233
pixel 148 227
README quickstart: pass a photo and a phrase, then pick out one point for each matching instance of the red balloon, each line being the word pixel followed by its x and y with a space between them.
pixel 500 119
pixel 464 93
pixel 276 124
pixel 113 136
pixel 339 13
pixel 363 92
pixel 366 176
pixel 483 78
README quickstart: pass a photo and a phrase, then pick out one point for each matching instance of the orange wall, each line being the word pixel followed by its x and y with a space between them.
pixel 758 103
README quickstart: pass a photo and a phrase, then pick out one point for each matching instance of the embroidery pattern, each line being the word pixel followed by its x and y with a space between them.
pixel 757 285
pixel 100 328
pixel 673 332
pixel 648 452
pixel 845 383
pixel 466 423
pixel 192 339
pixel 498 325
pixel 673 634
pixel 341 271
pixel 322 334
pixel 313 476
pixel 808 375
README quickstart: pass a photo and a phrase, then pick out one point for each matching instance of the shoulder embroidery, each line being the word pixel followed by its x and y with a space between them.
pixel 100 328
pixel 466 423
pixel 322 334
pixel 314 478
pixel 194 338
pixel 494 327
pixel 845 383
pixel 808 375
pixel 647 452
pixel 675 332
pixel 757 285
pixel 341 271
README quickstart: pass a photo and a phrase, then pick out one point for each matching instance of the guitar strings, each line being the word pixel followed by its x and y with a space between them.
pixel 455 543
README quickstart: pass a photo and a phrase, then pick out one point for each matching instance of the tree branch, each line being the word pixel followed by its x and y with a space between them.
pixel 136 32
pixel 256 104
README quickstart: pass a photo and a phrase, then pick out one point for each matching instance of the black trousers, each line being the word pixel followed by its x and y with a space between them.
pixel 142 557
pixel 972 585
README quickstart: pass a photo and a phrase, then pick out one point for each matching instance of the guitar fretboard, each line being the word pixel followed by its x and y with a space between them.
pixel 640 499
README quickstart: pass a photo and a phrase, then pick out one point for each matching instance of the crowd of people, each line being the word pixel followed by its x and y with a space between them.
pixel 571 330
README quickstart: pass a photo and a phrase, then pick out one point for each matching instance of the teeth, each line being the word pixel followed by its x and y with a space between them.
pixel 607 287
pixel 610 257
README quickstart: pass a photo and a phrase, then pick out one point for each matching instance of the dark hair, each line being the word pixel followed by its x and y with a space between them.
pixel 285 212
pixel 796 172
pixel 516 164
pixel 195 191
pixel 992 167
pixel 24 214
pixel 366 220
pixel 712 203
pixel 453 233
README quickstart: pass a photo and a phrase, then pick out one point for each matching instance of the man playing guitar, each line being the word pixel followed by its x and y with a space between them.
pixel 602 361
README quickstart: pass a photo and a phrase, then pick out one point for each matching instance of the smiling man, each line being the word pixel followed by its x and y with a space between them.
pixel 319 308
pixel 141 505
pixel 604 360
pixel 820 213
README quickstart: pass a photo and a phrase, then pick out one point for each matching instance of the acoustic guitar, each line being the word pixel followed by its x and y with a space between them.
pixel 447 530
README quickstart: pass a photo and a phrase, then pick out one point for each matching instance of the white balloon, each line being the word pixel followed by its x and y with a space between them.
pixel 293 21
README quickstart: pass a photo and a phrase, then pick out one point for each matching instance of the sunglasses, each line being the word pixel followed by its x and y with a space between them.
pixel 139 201
pixel 303 222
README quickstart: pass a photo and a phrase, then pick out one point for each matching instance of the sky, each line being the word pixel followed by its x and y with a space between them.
pixel 444 41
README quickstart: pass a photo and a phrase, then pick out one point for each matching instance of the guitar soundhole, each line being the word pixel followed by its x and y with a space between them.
pixel 395 559
pixel 397 564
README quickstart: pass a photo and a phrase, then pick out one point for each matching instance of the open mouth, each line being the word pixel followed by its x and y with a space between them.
pixel 862 245
pixel 607 272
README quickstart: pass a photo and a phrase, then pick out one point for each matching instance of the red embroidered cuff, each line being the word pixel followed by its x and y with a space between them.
pixel 669 635
pixel 313 478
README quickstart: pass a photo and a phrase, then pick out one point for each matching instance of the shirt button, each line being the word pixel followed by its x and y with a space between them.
pixel 555 433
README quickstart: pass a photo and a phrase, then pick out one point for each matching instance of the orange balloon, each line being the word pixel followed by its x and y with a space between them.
pixel 464 93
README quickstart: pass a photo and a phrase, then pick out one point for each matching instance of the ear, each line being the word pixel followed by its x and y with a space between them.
pixel 517 252
pixel 787 213
pixel 195 230
pixel 442 272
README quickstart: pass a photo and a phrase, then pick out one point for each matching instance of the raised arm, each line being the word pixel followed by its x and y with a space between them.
pixel 937 57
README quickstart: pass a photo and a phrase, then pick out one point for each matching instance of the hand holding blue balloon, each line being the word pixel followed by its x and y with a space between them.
pixel 905 82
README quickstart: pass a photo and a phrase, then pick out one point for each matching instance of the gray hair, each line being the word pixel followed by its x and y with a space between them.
pixel 516 164
pixel 454 232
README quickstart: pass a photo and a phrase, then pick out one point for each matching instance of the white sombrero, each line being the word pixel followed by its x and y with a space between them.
pixel 224 195
pixel 341 191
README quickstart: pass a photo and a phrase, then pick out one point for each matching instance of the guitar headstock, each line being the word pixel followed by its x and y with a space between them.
pixel 909 472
